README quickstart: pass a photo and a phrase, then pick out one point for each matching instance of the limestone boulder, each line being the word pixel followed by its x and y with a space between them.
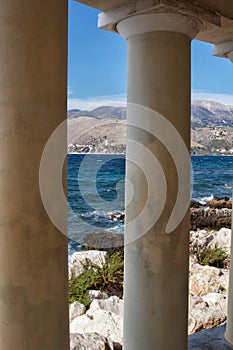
pixel 104 317
pixel 105 323
pixel 112 305
pixel 206 312
pixel 202 239
pixel 92 341
pixel 76 309
pixel 216 300
pixel 79 259
pixel 104 240
pixel 97 294
pixel 207 279
pixel 222 239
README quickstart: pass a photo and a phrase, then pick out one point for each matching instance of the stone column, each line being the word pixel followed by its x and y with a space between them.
pixel 158 139
pixel 225 50
pixel 33 253
pixel 229 327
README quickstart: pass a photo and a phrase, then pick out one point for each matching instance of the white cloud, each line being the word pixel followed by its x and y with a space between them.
pixel 94 102
pixel 226 99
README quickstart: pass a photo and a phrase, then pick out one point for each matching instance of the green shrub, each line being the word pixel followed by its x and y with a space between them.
pixel 213 257
pixel 105 278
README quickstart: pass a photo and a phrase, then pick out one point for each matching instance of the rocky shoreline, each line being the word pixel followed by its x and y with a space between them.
pixel 99 325
pixel 212 214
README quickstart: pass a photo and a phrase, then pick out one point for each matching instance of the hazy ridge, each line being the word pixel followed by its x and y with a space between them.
pixel 102 130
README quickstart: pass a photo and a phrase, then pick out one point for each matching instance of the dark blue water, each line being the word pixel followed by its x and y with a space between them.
pixel 96 189
pixel 212 176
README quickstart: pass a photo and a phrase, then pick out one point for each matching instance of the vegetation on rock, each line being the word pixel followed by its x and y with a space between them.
pixel 213 257
pixel 108 278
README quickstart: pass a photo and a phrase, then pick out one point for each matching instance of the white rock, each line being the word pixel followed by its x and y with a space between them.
pixel 79 259
pixel 76 309
pixel 112 304
pixel 211 239
pixel 207 279
pixel 222 239
pixel 217 301
pixel 208 302
pixel 90 341
pixel 97 294
pixel 192 261
pixel 204 315
pixel 107 324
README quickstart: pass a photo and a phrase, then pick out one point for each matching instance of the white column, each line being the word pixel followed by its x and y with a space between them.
pixel 33 253
pixel 156 262
pixel 225 50
pixel 229 327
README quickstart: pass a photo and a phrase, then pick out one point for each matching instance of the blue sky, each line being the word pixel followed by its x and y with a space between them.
pixel 97 65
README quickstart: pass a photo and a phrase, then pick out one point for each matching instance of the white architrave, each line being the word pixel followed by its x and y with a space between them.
pixel 224 49
pixel 109 19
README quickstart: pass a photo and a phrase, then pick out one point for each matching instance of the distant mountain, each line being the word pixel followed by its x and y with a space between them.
pixel 110 112
pixel 211 114
pixel 203 114
pixel 103 129
pixel 102 112
pixel 75 110
pixel 75 113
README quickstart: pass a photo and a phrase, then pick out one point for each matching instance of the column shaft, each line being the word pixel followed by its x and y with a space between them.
pixel 156 263
pixel 229 327
pixel 33 253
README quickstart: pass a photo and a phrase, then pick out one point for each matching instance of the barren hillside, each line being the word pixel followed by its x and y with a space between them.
pixel 103 129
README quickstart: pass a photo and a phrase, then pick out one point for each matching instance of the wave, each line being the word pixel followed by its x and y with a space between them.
pixel 204 199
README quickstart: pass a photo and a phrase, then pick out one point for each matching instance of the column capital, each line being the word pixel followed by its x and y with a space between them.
pixel 179 15
pixel 224 50
pixel 154 21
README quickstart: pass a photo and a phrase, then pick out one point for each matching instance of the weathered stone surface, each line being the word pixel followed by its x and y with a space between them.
pixel 207 307
pixel 79 259
pixel 207 279
pixel 97 294
pixel 100 321
pixel 92 341
pixel 76 309
pixel 211 339
pixel 202 239
pixel 216 300
pixel 104 240
pixel 112 304
pixel 206 312
pixel 219 203
pixel 208 296
pixel 210 218
pixel 104 317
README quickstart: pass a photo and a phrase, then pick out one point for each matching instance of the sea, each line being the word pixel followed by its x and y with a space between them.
pixel 96 190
